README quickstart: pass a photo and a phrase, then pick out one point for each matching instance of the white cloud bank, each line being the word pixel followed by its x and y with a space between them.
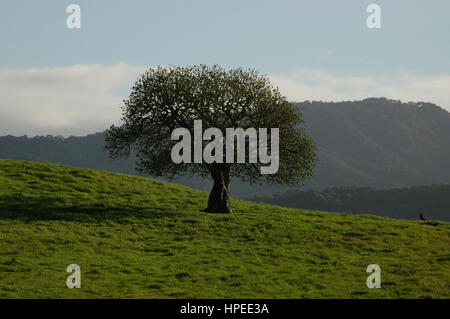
pixel 84 99
pixel 305 84
pixel 76 100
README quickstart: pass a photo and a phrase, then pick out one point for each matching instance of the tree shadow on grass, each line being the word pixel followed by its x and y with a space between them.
pixel 26 209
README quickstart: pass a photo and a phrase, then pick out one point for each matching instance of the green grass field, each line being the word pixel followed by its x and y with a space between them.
pixel 137 237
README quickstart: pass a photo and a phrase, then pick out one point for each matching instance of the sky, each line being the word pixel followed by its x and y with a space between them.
pixel 61 81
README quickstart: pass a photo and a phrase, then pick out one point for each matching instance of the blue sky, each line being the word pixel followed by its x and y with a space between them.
pixel 293 41
pixel 273 36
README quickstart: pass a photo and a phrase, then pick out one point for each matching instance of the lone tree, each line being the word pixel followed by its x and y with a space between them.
pixel 166 98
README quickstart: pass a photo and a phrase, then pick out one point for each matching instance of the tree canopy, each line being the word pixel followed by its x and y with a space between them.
pixel 166 98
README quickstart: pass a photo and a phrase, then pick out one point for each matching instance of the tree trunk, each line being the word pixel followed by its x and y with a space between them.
pixel 218 201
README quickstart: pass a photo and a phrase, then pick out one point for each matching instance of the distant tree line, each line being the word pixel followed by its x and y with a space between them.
pixel 84 151
pixel 433 201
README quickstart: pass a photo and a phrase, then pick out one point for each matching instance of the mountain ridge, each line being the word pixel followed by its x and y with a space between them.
pixel 374 142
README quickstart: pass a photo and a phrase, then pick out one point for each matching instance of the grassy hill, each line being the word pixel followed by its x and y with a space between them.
pixel 136 237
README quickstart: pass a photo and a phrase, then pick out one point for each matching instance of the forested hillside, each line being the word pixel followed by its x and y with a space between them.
pixel 374 142
pixel 379 142
pixel 433 201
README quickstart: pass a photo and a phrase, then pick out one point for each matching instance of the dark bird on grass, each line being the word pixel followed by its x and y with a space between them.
pixel 426 221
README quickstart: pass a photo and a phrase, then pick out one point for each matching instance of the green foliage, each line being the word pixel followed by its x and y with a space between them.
pixel 166 98
pixel 136 237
